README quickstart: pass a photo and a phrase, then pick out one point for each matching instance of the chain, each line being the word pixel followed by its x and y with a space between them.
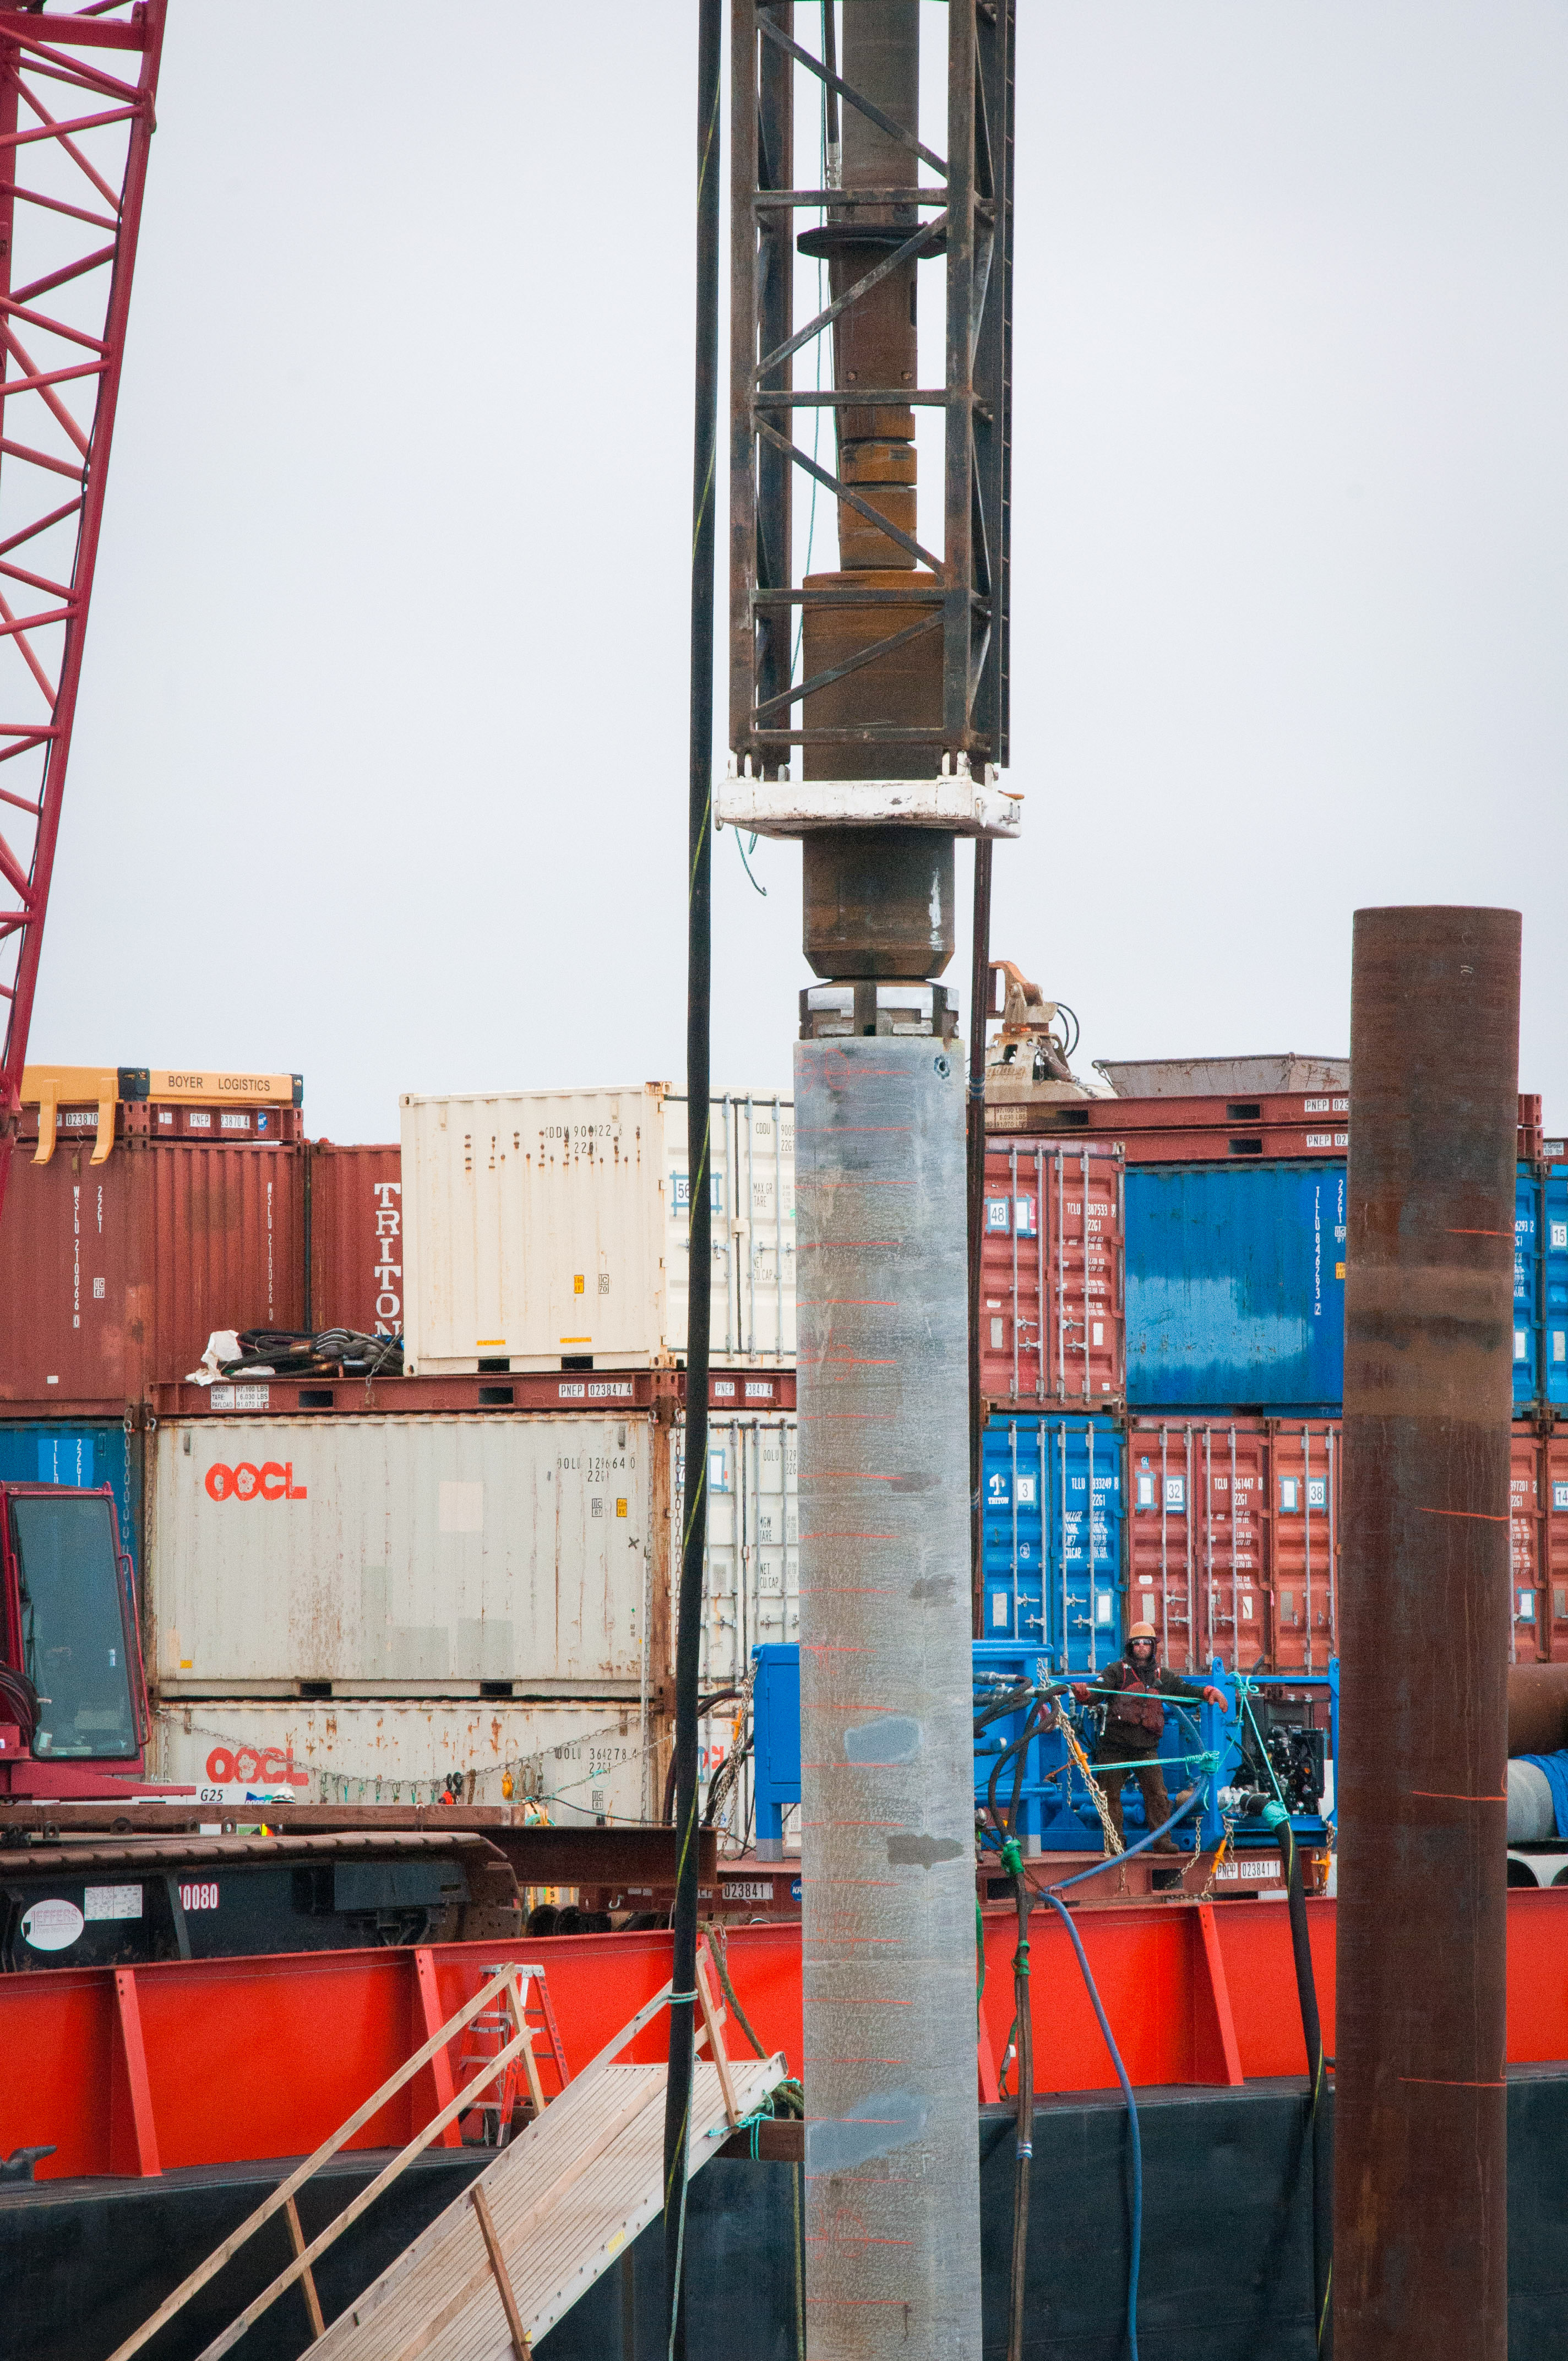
pixel 1213 1866
pixel 1112 1842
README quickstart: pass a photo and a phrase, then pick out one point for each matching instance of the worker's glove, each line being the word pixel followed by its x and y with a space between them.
pixel 1213 1697
pixel 1080 1691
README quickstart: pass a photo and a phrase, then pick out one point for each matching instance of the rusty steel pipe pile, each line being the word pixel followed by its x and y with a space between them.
pixel 1420 2213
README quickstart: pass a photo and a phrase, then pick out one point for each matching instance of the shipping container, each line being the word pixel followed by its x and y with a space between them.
pixel 1527 1286
pixel 1235 1285
pixel 728 1390
pixel 84 1454
pixel 1219 1127
pixel 1051 1521
pixel 583 1762
pixel 751 1574
pixel 354 1238
pixel 546 1230
pixel 1051 1315
pixel 1539 1502
pixel 1232 1540
pixel 112 1276
pixel 415 1556
pixel 1553 1388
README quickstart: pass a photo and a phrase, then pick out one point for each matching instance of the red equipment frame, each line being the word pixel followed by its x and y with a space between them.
pixel 74 133
pixel 145 2069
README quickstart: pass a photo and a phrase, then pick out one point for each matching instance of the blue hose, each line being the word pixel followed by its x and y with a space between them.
pixel 1049 1895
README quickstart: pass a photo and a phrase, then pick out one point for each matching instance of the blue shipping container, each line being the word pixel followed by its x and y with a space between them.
pixel 1527 1285
pixel 1552 1243
pixel 46 1451
pixel 1235 1285
pixel 1053 1571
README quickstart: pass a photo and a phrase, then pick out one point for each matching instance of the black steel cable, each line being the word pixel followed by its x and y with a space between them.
pixel 1320 2128
pixel 699 966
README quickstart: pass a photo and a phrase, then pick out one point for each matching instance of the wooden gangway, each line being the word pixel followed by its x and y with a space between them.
pixel 557 2205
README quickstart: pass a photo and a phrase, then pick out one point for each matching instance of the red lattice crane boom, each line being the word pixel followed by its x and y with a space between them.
pixel 77 89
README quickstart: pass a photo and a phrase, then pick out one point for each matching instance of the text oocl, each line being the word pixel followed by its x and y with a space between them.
pixel 274 1480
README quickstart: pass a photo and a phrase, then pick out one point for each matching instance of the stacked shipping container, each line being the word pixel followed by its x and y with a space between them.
pixel 1224 1436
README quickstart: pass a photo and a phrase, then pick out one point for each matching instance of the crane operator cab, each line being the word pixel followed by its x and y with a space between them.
pixel 71 1683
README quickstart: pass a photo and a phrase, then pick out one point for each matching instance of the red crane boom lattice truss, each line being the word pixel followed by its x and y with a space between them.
pixel 77 89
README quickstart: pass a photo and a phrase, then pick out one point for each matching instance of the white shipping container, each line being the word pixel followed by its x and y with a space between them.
pixel 544 1229
pixel 414 1555
pixel 751 1572
pixel 582 1762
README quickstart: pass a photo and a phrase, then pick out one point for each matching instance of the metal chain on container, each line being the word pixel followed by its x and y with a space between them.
pixel 1112 1842
pixel 1220 1851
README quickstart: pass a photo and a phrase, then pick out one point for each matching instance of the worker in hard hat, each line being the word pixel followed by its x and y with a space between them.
pixel 1130 1690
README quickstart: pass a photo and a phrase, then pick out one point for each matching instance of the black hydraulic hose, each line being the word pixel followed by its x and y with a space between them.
pixel 699 967
pixel 1024 2124
pixel 1317 2081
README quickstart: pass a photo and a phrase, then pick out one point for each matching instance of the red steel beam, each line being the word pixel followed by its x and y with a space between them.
pixel 73 124
pixel 258 2058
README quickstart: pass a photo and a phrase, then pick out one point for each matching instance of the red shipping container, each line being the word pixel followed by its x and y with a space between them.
pixel 1196 1130
pixel 1539 1502
pixel 1234 1531
pixel 112 1276
pixel 1052 1317
pixel 355 1213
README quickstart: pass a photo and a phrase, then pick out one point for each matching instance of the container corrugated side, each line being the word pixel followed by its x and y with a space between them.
pixel 583 1762
pixel 356 1202
pixel 1234 1531
pixel 751 1570
pixel 543 1229
pixel 1052 1575
pixel 1538 1501
pixel 82 1453
pixel 1235 1285
pixel 1553 1245
pixel 417 1555
pixel 1052 1326
pixel 1526 1287
pixel 113 1277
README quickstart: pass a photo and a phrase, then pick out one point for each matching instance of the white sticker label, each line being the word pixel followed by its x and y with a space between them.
pixel 746 1889
pixel 51 1925
pixel 1248 1865
pixel 199 1897
pixel 999 1609
pixel 112 1902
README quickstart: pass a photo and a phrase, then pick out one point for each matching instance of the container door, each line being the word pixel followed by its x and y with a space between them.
pixel 1083 1324
pixel 1532 1633
pixel 1015 1479
pixel 1553 1245
pixel 1554 1541
pixel 1160 1550
pixel 1231 1608
pixel 1084 1559
pixel 1013 1280
pixel 1303 1468
pixel 1526 1287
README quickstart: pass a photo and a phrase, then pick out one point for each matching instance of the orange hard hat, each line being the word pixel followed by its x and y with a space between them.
pixel 1143 1631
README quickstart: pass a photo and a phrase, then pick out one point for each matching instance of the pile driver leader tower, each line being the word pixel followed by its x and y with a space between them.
pixel 868 716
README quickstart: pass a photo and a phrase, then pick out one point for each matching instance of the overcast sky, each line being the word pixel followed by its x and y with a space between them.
pixel 380 769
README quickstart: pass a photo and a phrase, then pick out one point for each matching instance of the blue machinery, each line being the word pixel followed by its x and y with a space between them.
pixel 1259 1745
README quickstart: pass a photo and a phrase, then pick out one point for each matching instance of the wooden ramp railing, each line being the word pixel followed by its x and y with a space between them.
pixel 560 2201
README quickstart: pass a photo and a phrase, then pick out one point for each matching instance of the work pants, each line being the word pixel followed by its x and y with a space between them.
pixel 1141 1748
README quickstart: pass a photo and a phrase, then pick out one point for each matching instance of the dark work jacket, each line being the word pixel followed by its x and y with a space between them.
pixel 1137 1713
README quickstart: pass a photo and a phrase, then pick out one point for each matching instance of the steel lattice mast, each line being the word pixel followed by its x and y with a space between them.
pixel 882 685
pixel 77 91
